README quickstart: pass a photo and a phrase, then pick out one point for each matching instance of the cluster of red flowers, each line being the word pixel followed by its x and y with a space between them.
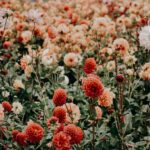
pixel 92 84
pixel 33 133
pixel 64 136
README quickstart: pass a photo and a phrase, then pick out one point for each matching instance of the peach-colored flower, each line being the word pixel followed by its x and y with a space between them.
pixel 121 45
pixel 25 60
pixel 28 70
pixel 145 72
pixel 26 36
pixel 73 113
pixel 106 99
pixel 71 59
pixel 98 112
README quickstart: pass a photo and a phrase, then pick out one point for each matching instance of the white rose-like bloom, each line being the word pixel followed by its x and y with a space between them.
pixel 4 19
pixel 4 12
pixel 1 107
pixel 17 108
pixel 26 35
pixel 144 37
pixel 49 57
pixel 5 93
pixel 18 84
pixel 73 112
pixel 34 15
pixel 98 22
pixel 130 60
pixel 130 72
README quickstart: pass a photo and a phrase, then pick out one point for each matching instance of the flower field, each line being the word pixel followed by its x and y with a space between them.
pixel 74 74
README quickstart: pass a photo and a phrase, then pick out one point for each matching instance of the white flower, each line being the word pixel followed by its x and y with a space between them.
pixel 4 12
pixel 110 65
pixel 66 80
pixel 110 51
pixel 5 93
pixel 49 57
pixel 61 70
pixel 130 60
pixel 34 15
pixel 5 20
pixel 98 22
pixel 1 107
pixel 17 108
pixel 130 72
pixel 144 37
pixel 18 84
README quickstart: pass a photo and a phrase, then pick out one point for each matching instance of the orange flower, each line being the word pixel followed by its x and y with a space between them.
pixel 75 133
pixel 59 97
pixel 60 113
pixel 92 86
pixel 90 65
pixel 34 132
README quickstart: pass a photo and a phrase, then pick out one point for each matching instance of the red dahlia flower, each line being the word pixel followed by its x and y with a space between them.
pixel 34 132
pixel 21 138
pixel 7 106
pixel 14 134
pixel 60 113
pixel 61 141
pixel 92 86
pixel 59 97
pixel 90 65
pixel 75 133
